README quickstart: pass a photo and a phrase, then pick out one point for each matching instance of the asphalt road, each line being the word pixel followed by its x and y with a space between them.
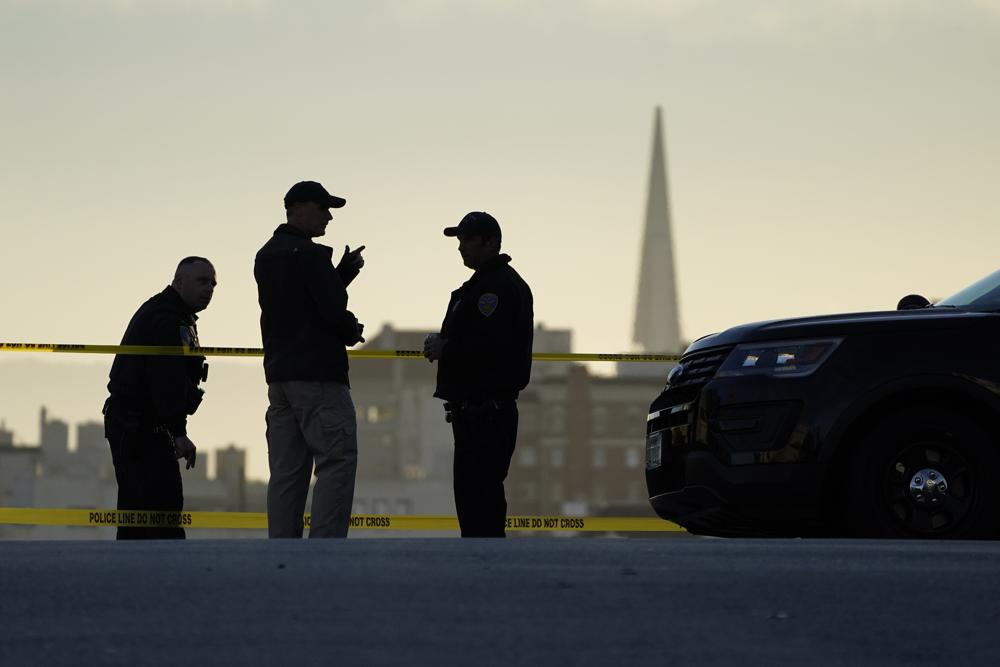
pixel 544 601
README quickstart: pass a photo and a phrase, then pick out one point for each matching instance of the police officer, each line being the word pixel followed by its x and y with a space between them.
pixel 145 418
pixel 484 360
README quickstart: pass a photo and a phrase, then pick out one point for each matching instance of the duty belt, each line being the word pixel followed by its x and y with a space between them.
pixel 452 408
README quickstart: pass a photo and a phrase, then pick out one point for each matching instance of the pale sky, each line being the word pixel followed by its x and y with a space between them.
pixel 823 156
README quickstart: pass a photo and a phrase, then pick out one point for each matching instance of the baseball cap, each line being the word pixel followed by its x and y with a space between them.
pixel 306 191
pixel 476 223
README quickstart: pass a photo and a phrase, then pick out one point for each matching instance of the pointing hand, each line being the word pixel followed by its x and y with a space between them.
pixel 352 258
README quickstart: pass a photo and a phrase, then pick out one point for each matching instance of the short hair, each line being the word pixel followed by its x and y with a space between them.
pixel 191 260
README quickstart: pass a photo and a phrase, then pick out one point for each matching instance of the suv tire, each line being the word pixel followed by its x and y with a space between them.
pixel 924 472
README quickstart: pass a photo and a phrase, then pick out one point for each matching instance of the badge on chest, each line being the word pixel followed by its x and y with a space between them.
pixel 488 303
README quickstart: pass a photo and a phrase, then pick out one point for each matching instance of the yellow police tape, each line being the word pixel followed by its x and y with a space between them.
pixel 36 516
pixel 179 350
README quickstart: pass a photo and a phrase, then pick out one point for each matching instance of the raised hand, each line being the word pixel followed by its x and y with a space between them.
pixel 352 258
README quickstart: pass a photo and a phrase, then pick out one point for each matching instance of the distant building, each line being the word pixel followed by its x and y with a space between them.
pixel 52 475
pixel 657 315
pixel 231 470
pixel 93 456
pixel 656 328
pixel 18 469
pixel 6 435
pixel 581 445
pixel 54 441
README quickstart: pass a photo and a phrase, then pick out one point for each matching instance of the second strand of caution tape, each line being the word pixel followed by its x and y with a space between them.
pixel 258 520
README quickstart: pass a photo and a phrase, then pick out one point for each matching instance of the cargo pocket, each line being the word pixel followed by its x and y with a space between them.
pixel 337 427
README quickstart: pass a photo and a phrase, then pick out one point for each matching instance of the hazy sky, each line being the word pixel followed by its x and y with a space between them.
pixel 824 156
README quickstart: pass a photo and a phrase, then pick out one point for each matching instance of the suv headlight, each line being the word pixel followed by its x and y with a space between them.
pixel 797 358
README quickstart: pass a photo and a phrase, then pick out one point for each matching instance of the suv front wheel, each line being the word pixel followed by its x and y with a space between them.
pixel 924 473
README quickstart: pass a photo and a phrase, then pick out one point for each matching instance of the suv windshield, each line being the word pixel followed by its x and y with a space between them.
pixel 982 295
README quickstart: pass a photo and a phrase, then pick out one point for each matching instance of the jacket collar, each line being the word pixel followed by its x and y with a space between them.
pixel 294 231
pixel 490 266
pixel 493 264
pixel 175 301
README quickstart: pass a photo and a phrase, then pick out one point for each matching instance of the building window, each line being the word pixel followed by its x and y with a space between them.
pixel 528 492
pixel 555 492
pixel 378 414
pixel 528 456
pixel 557 457
pixel 600 493
pixel 404 506
pixel 634 491
pixel 529 420
pixel 414 471
pixel 634 414
pixel 600 457
pixel 631 458
pixel 380 506
pixel 556 419
pixel 600 419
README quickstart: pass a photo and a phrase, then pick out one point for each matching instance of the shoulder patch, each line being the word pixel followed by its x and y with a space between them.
pixel 488 303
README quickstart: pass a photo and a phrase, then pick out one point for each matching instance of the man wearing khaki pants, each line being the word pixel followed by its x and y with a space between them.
pixel 306 328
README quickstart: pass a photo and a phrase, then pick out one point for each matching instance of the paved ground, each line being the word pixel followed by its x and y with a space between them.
pixel 528 601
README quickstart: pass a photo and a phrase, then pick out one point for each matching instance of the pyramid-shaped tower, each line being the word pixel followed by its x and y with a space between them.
pixel 657 316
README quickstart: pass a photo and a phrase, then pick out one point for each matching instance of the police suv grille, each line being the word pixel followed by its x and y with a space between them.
pixel 699 367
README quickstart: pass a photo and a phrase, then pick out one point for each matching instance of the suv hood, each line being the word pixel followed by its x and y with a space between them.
pixel 822 326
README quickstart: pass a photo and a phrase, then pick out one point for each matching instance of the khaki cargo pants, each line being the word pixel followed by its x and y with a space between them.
pixel 307 423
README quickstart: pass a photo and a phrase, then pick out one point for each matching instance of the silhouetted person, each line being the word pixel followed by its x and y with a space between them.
pixel 484 360
pixel 306 329
pixel 145 418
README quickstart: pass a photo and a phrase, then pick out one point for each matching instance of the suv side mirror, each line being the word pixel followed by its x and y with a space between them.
pixel 912 302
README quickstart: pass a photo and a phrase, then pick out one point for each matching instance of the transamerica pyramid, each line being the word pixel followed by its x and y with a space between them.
pixel 657 317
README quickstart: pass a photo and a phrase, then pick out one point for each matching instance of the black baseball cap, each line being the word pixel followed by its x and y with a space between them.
pixel 476 223
pixel 306 191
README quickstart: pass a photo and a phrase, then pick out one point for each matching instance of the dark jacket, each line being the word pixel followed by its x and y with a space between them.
pixel 158 390
pixel 489 328
pixel 304 321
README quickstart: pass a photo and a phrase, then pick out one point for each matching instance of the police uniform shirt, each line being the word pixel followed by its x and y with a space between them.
pixel 488 328
pixel 163 389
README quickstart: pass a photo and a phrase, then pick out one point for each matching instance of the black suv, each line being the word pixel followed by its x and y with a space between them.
pixel 882 424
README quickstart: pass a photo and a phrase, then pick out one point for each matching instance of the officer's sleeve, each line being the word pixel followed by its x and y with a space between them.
pixel 326 288
pixel 167 377
pixel 347 273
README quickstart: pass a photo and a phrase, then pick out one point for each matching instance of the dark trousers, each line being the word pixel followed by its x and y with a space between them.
pixel 484 443
pixel 148 475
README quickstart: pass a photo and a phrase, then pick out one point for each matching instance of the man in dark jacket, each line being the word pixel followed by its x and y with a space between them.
pixel 145 418
pixel 484 361
pixel 306 328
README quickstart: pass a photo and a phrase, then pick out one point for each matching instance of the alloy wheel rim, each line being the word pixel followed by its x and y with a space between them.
pixel 928 488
